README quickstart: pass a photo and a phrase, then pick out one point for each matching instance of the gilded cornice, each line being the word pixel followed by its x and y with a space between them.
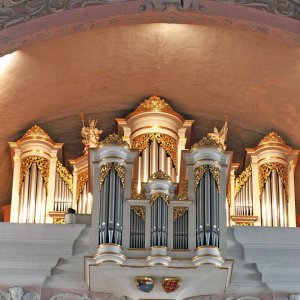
pixel 36 132
pixel 114 139
pixel 160 175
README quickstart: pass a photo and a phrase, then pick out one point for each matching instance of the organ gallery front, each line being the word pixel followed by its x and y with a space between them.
pixel 151 197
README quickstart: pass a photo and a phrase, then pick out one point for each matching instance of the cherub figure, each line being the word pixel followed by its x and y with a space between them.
pixel 90 134
pixel 220 136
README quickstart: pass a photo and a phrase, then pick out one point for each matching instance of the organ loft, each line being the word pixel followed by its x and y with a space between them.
pixel 150 197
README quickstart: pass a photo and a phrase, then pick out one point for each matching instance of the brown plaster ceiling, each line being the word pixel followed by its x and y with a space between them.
pixel 204 72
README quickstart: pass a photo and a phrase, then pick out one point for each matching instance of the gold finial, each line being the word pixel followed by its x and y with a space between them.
pixel 36 131
pixel 272 137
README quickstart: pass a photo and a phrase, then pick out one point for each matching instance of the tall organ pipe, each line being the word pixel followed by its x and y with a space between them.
pixel 207 211
pixel 111 206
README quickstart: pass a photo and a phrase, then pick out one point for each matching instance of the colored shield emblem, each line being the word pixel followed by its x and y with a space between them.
pixel 144 284
pixel 171 284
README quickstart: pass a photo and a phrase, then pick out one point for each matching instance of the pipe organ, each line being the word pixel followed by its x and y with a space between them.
pixel 264 193
pixel 147 188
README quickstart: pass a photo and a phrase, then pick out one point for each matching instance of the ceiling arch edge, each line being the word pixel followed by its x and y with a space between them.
pixel 133 12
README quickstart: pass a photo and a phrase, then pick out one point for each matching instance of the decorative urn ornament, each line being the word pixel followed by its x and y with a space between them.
pixel 145 284
pixel 171 284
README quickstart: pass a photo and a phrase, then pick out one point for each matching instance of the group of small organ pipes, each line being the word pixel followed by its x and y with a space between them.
pixel 43 193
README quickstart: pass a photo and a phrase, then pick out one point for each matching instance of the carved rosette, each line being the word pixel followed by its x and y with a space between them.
pixel 114 139
pixel 120 169
pixel 168 143
pixel 265 171
pixel 199 172
pixel 241 180
pixel 155 196
pixel 81 182
pixel 43 165
pixel 140 211
pixel 179 212
pixel 160 175
pixel 207 142
pixel 65 175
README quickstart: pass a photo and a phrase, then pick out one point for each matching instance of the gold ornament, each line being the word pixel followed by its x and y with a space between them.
pixel 65 175
pixel 272 137
pixel 179 212
pixel 120 169
pixel 155 196
pixel 59 221
pixel 160 175
pixel 134 193
pixel 207 142
pixel 154 102
pixel 216 175
pixel 168 143
pixel 265 171
pixel 114 139
pixel 183 195
pixel 36 131
pixel 140 211
pixel 199 172
pixel 241 180
pixel 43 165
pixel 81 182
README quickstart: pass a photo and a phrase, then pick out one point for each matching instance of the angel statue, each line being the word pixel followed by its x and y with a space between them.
pixel 90 134
pixel 220 136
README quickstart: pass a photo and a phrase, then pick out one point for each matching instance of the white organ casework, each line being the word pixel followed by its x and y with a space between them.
pixel 264 193
pixel 153 200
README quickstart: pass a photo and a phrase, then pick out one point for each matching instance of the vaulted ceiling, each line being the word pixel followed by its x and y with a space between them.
pixel 204 71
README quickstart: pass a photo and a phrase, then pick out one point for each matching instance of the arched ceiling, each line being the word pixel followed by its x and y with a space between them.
pixel 203 71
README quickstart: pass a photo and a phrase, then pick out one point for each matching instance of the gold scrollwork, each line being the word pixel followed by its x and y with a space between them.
pixel 81 182
pixel 140 211
pixel 168 143
pixel 265 171
pixel 43 165
pixel 216 175
pixel 183 195
pixel 115 139
pixel 134 193
pixel 199 172
pixel 154 102
pixel 155 196
pixel 241 180
pixel 179 212
pixel 207 142
pixel 160 175
pixel 65 175
pixel 120 169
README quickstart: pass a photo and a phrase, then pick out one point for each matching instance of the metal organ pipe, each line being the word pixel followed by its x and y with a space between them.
pixel 162 159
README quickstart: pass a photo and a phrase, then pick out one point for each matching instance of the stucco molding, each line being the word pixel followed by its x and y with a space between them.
pixel 14 12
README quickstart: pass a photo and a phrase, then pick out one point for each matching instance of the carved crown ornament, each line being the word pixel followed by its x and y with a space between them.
pixel 114 139
pixel 160 175
pixel 272 137
pixel 36 132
